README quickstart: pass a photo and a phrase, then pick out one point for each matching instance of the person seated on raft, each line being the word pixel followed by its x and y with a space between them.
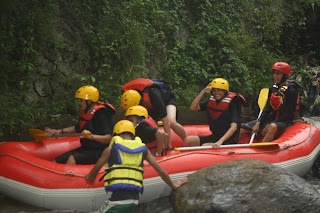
pixel 283 102
pixel 146 128
pixel 224 114
pixel 157 97
pixel 96 118
pixel 123 161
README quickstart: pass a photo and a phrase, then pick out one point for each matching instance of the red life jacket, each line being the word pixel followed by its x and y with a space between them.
pixel 143 86
pixel 84 117
pixel 216 109
pixel 218 114
pixel 283 95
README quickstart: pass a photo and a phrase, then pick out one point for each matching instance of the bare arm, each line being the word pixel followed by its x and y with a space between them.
pixel 163 174
pixel 101 161
pixel 195 104
pixel 52 132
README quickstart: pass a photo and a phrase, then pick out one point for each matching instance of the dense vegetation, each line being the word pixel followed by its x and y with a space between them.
pixel 60 45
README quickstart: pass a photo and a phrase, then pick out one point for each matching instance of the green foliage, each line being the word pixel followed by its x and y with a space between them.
pixel 107 43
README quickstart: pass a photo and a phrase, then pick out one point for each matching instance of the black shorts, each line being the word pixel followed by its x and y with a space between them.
pixel 82 156
pixel 282 126
pixel 214 138
pixel 172 101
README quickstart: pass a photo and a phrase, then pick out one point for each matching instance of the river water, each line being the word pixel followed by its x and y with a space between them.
pixel 9 205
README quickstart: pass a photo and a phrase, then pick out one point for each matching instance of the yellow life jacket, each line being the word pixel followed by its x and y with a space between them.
pixel 124 167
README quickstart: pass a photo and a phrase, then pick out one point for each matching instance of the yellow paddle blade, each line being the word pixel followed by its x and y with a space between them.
pixel 38 134
pixel 263 97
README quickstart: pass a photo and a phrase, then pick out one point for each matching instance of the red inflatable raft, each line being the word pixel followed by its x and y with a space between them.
pixel 28 174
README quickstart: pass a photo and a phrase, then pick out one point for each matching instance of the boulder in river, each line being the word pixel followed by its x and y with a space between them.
pixel 245 186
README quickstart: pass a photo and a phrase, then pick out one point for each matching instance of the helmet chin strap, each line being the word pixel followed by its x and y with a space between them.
pixel 88 106
pixel 284 78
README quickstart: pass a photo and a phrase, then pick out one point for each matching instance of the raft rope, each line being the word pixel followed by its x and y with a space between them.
pixel 71 173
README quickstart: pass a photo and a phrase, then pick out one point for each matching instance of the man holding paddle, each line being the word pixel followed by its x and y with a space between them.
pixel 96 119
pixel 283 102
pixel 224 112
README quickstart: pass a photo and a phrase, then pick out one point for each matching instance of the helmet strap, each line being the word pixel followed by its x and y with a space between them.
pixel 88 106
pixel 284 78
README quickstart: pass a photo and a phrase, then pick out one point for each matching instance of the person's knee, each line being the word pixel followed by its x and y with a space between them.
pixel 71 160
pixel 272 129
pixel 160 134
pixel 243 131
pixel 191 141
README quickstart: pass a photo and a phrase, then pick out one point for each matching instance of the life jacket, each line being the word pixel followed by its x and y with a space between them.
pixel 218 113
pixel 85 122
pixel 143 86
pixel 124 167
pixel 282 94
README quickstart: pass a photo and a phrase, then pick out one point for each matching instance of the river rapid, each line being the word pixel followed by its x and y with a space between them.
pixel 9 205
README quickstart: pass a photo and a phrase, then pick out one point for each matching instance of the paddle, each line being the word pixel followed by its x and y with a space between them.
pixel 262 101
pixel 41 136
pixel 226 146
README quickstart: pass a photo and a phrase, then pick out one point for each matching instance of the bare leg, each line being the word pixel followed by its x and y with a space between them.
pixel 160 138
pixel 191 141
pixel 71 160
pixel 242 131
pixel 271 132
pixel 174 125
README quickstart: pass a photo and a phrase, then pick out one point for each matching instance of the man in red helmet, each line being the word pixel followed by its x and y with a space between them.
pixel 283 102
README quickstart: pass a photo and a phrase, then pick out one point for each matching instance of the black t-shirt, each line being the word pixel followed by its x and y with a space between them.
pixel 102 121
pixel 146 132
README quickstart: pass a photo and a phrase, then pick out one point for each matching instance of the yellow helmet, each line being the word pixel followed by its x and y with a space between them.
pixel 88 93
pixel 130 98
pixel 220 83
pixel 124 126
pixel 137 110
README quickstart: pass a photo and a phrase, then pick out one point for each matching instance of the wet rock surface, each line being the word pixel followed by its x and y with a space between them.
pixel 245 186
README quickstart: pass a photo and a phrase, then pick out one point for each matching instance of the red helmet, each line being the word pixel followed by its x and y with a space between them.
pixel 283 67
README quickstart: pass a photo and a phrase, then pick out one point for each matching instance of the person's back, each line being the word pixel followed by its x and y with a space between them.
pixel 124 174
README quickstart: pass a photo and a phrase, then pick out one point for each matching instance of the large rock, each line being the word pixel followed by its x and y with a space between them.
pixel 160 205
pixel 245 186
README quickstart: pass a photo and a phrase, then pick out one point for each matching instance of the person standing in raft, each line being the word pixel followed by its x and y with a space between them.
pixel 123 161
pixel 283 102
pixel 224 113
pixel 96 118
pixel 146 129
pixel 157 97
